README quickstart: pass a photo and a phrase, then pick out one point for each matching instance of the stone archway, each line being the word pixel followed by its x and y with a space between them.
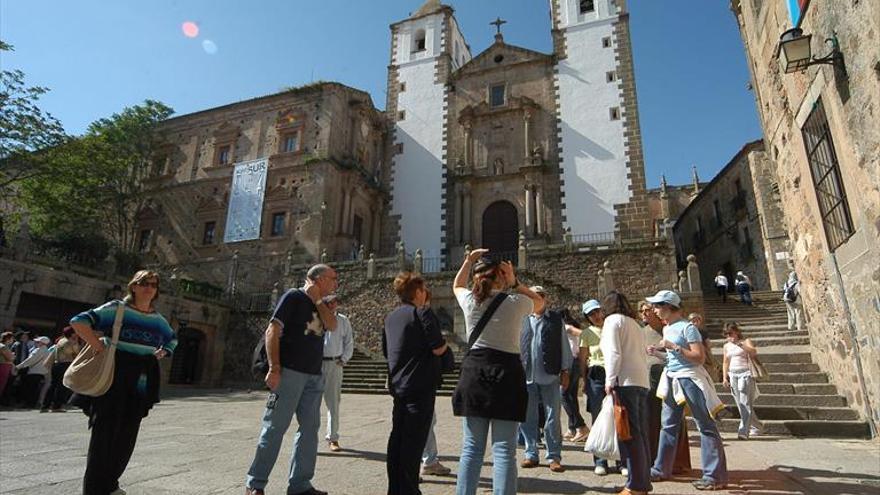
pixel 188 360
pixel 501 228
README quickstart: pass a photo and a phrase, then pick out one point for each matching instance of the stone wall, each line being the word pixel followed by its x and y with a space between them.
pixel 569 275
pixel 724 226
pixel 840 281
pixel 79 286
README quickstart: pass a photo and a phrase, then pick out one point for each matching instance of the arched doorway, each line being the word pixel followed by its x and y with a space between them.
pixel 501 229
pixel 187 360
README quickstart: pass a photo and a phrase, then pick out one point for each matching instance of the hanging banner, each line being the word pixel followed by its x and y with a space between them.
pixel 796 10
pixel 246 201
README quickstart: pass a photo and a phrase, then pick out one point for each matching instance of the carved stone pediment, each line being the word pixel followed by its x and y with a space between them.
pixel 500 54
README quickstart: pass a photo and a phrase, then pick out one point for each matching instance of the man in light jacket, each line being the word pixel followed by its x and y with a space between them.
pixel 546 357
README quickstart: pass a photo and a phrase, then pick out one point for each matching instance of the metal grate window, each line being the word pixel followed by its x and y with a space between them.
pixel 833 206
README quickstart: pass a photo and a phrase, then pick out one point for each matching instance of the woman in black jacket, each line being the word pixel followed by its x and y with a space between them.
pixel 412 344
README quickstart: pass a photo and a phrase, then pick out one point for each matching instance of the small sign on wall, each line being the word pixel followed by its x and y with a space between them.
pixel 782 256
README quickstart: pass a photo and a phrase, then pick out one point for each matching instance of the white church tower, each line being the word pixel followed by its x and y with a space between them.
pixel 602 166
pixel 425 48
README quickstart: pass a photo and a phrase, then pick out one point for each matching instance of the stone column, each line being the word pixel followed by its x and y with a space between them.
pixel 371 267
pixel 529 210
pixel 467 146
pixel 459 216
pixel 340 224
pixel 539 211
pixel 466 223
pixel 417 262
pixel 375 231
pixel 609 278
pixel 346 207
pixel 526 118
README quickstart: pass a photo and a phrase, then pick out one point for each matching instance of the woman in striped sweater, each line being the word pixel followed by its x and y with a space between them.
pixel 115 417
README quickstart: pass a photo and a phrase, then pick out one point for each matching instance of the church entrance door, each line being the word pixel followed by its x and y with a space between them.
pixel 185 363
pixel 501 230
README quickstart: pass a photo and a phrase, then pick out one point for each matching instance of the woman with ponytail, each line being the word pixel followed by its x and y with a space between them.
pixel 492 388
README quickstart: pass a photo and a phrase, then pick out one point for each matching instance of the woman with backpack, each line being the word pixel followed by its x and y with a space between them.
pixel 744 288
pixel 790 293
pixel 491 391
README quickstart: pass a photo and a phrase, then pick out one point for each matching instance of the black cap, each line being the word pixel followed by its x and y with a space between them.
pixel 484 264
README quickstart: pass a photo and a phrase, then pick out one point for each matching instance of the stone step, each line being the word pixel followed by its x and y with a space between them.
pixel 792 400
pixel 780 341
pixel 798 412
pixel 801 428
pixel 760 332
pixel 719 340
pixel 790 388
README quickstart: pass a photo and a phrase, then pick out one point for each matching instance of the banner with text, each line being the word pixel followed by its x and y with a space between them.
pixel 245 212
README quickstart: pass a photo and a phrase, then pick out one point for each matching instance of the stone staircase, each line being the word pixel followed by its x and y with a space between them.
pixel 364 375
pixel 797 398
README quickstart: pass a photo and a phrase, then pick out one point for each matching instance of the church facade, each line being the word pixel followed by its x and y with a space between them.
pixel 512 140
pixel 470 150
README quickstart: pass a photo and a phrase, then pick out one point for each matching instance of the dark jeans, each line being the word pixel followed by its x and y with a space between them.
pixel 570 399
pixel 745 293
pixel 722 291
pixel 30 389
pixel 57 394
pixel 110 448
pixel 410 425
pixel 634 451
pixel 595 390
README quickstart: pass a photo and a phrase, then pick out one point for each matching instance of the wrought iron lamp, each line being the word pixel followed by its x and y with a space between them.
pixel 795 54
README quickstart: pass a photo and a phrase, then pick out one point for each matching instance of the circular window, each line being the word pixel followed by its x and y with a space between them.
pixel 499 58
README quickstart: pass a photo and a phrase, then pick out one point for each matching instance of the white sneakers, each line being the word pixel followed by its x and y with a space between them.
pixel 599 470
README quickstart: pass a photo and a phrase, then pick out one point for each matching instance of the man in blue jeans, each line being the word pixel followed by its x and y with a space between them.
pixel 546 357
pixel 295 348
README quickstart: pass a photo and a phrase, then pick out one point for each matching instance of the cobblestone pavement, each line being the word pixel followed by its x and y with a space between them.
pixel 203 442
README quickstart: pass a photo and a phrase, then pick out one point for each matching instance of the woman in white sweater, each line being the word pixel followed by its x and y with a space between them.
pixel 626 374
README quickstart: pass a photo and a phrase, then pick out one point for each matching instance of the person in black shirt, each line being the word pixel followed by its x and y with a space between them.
pixel 412 343
pixel 295 348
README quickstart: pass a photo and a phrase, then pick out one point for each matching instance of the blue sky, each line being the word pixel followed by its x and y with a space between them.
pixel 100 56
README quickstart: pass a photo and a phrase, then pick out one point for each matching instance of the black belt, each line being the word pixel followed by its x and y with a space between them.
pixel 334 358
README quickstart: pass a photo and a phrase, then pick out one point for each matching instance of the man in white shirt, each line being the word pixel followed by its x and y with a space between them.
pixel 338 349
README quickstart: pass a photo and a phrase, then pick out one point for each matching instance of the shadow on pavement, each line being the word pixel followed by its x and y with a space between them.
pixel 781 479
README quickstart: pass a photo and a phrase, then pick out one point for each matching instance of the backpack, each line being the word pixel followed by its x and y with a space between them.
pixel 260 360
pixel 790 293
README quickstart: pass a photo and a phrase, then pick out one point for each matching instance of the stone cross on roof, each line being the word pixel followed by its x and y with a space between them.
pixel 497 23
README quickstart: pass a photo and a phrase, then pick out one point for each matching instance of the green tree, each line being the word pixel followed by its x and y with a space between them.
pixel 97 185
pixel 24 129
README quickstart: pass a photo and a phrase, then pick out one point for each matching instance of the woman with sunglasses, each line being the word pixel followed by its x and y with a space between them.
pixel 115 417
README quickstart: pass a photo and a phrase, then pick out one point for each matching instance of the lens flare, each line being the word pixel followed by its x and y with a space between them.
pixel 209 46
pixel 190 29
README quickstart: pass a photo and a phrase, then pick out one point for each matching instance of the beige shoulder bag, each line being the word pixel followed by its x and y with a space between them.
pixel 91 373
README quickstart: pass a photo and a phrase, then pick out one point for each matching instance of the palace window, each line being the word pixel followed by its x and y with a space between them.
pixel 614 113
pixel 144 240
pixel 224 154
pixel 587 6
pixel 606 42
pixel 290 142
pixel 209 233
pixel 278 224
pixel 496 95
pixel 610 76
pixel 825 171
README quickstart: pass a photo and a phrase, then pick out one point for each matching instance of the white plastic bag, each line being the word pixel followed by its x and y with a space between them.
pixel 602 441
